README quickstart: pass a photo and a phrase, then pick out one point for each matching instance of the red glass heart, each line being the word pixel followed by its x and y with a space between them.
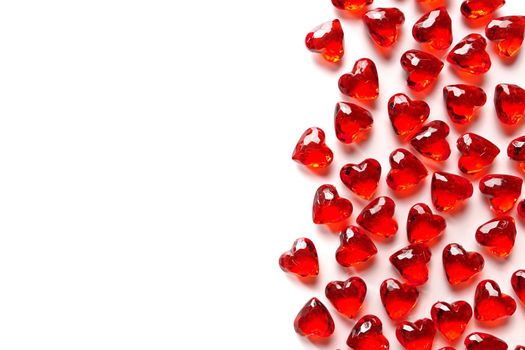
pixel 448 191
pixel 422 225
pixel 484 341
pixel 470 55
pixel 434 28
pixel 398 298
pixel 477 153
pixel 411 263
pixel 463 101
pixel 460 265
pixel 502 191
pixel 314 320
pixel 431 140
pixel 355 247
pixel 406 170
pixel 378 217
pixel 490 304
pixel 328 40
pixel 451 319
pixel 498 235
pixel 416 336
pixel 362 178
pixel 383 25
pixel 367 334
pixel 407 115
pixel 329 207
pixel 362 83
pixel 518 284
pixel 508 33
pixel 301 259
pixel 352 122
pixel 509 100
pixel 311 150
pixel 423 69
pixel 474 9
pixel 347 296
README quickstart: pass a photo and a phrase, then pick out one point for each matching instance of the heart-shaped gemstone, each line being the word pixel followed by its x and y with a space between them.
pixel 474 9
pixel 422 225
pixel 329 207
pixel 362 178
pixel 367 334
pixel 347 296
pixel 434 28
pixel 509 100
pixel 508 33
pixel 398 298
pixel 502 191
pixel 328 40
pixel 406 170
pixel 423 69
pixel 312 151
pixel 314 320
pixel 484 341
pixel 448 191
pixel 416 336
pixel 460 265
pixel 518 284
pixel 383 25
pixel 352 122
pixel 490 304
pixel 477 153
pixel 463 101
pixel 516 149
pixel 431 140
pixel 407 115
pixel 498 235
pixel 301 259
pixel 451 319
pixel 355 247
pixel 362 83
pixel 470 55
pixel 521 209
pixel 411 262
pixel 351 5
pixel 378 217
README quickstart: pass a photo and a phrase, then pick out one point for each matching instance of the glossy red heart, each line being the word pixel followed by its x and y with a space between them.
pixel 411 262
pixel 449 191
pixel 347 296
pixel 398 298
pixel 422 225
pixel 328 40
pixel 462 102
pixel 416 336
pixel 312 151
pixel 406 171
pixel 484 341
pixel 502 191
pixel 498 235
pixel 477 153
pixel 378 217
pixel 451 320
pixel 352 123
pixel 314 320
pixel 508 33
pixel 460 265
pixel 355 247
pixel 422 68
pixel 383 25
pixel 362 83
pixel 470 55
pixel 367 334
pixel 329 207
pixel 434 28
pixel 301 260
pixel 407 115
pixel 362 178
pixel 518 284
pixel 431 140
pixel 490 304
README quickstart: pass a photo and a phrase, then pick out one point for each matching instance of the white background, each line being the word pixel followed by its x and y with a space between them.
pixel 146 185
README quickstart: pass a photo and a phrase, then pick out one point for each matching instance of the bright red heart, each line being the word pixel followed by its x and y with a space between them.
pixel 311 150
pixel 416 336
pixel 406 170
pixel 470 55
pixel 407 115
pixel 378 217
pixel 508 33
pixel 521 209
pixel 351 5
pixel 490 304
pixel 434 28
pixel 367 334
pixel 301 259
pixel 347 296
pixel 502 191
pixel 411 262
pixel 463 101
pixel 449 190
pixel 398 298
pixel 484 341
pixel 498 235
pixel 328 40
pixel 314 320
pixel 474 9
pixel 518 284
pixel 352 122
pixel 355 247
pixel 383 25
pixel 516 149
pixel 328 207
pixel 431 140
pixel 362 178
pixel 509 100
pixel 362 83
pixel 460 265
pixel 423 69
pixel 451 319
pixel 422 225
pixel 477 153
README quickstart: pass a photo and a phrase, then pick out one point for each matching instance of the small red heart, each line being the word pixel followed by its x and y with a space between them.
pixel 362 178
pixel 509 100
pixel 347 296
pixel 314 320
pixel 378 217
pixel 490 304
pixel 407 115
pixel 383 25
pixel 477 153
pixel 431 140
pixel 352 122
pixel 518 284
pixel 422 225
pixel 416 336
pixel 328 40
pixel 470 55
pixel 355 247
pixel 508 33
pixel 406 170
pixel 362 83
pixel 398 298
pixel 474 9
pixel 484 341
pixel 301 259
pixel 460 265
pixel 311 150
pixel 328 207
pixel 367 334
pixel 502 191
pixel 462 102
pixel 448 191
pixel 423 69
pixel 411 262
pixel 451 319
pixel 434 29
pixel 498 235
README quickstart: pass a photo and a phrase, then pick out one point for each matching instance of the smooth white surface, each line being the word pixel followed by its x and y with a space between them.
pixel 147 189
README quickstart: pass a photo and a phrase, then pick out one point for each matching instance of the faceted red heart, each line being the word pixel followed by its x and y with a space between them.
pixel 407 115
pixel 502 190
pixel 423 69
pixel 351 5
pixel 474 9
pixel 328 40
pixel 484 341
pixel 477 153
pixel 451 319
pixel 521 209
pixel 328 207
pixel 398 298
pixel 362 178
pixel 355 247
pixel 314 320
pixel 311 150
pixel 508 33
pixel 469 55
pixel 498 235
pixel 351 122
pixel 431 140
pixel 378 217
pixel 416 336
pixel 406 170
pixel 490 304
pixel 411 262
pixel 448 191
pixel 347 296
pixel 434 29
pixel 362 83
pixel 463 101
pixel 509 100
pixel 367 334
pixel 383 25
pixel 460 265
pixel 422 225
pixel 516 149
pixel 301 259
pixel 518 284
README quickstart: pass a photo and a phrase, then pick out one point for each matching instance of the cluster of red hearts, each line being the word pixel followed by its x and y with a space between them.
pixel 448 191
